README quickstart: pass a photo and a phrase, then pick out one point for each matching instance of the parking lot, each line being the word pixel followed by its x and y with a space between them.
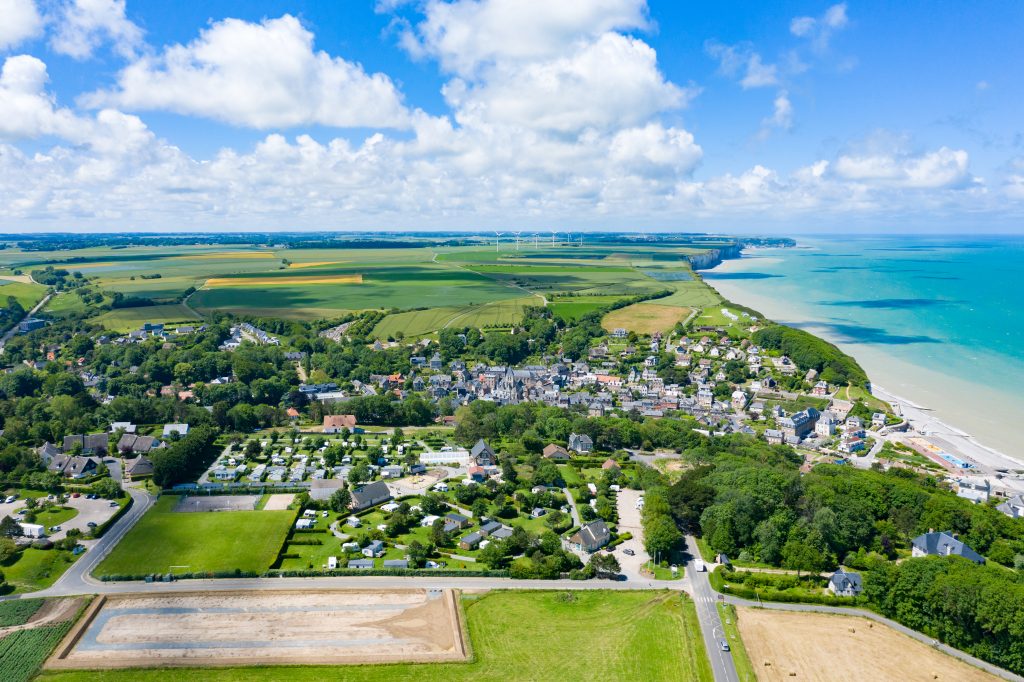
pixel 629 522
pixel 96 511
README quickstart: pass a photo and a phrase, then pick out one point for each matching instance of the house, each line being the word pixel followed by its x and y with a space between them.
pixel 488 527
pixel 391 471
pixel 30 324
pixel 1013 507
pixel 503 533
pixel 581 443
pixel 74 466
pixel 126 427
pixel 471 541
pixel 374 549
pixel 773 436
pixel 370 495
pixel 591 537
pixel 799 424
pixel 610 464
pixel 322 488
pixel 396 563
pixel 89 444
pixel 553 451
pixel 361 563
pixel 943 544
pixel 878 419
pixel 139 445
pixel 538 512
pixel 293 414
pixel 47 452
pixel 457 520
pixel 171 429
pixel 334 423
pixel 826 424
pixel 843 584
pixel 476 473
pixel 137 468
pixel 482 453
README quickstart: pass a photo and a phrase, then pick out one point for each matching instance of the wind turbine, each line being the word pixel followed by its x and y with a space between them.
pixel 553 233
pixel 497 240
pixel 536 240
pixel 517 239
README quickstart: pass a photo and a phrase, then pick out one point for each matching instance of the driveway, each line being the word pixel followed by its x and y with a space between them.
pixel 629 522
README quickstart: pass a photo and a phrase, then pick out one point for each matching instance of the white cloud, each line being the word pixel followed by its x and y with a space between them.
pixel 819 30
pixel 741 61
pixel 466 34
pixel 258 75
pixel 942 168
pixel 83 25
pixel 611 82
pixel 19 21
pixel 782 113
pixel 27 110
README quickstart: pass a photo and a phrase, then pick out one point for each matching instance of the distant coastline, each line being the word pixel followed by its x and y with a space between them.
pixel 910 389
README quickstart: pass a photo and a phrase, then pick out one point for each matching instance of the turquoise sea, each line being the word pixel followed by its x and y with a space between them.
pixel 936 320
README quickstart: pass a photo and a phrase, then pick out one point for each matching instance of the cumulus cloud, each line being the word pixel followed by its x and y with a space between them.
pixel 27 110
pixel 466 34
pixel 819 30
pixel 84 25
pixel 19 21
pixel 742 62
pixel 258 75
pixel 782 114
pixel 941 168
pixel 611 82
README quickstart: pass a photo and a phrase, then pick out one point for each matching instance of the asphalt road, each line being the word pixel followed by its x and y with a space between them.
pixel 711 628
pixel 14 330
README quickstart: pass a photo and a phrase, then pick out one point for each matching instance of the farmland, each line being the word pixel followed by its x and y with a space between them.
pixel 519 636
pixel 824 646
pixel 645 318
pixel 198 542
pixel 40 625
pixel 126 319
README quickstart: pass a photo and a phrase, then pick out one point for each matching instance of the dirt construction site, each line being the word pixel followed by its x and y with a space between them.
pixel 786 645
pixel 264 628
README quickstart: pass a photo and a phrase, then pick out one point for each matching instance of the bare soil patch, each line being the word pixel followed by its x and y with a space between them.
pixel 210 503
pixel 833 648
pixel 279 502
pixel 266 628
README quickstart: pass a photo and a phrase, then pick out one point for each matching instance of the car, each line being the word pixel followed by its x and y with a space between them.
pixel 54 529
pixel 113 503
pixel 22 511
pixel 723 645
pixel 324 514
pixel 76 494
pixel 10 498
pixel 91 524
pixel 628 552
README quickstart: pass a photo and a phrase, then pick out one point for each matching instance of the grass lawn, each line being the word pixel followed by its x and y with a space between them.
pixel 517 636
pixel 54 516
pixel 37 569
pixel 744 668
pixel 198 541
pixel 570 474
pixel 127 319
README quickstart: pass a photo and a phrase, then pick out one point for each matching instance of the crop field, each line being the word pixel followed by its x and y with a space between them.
pixel 18 612
pixel 597 635
pixel 127 319
pixel 26 643
pixel 785 645
pixel 574 307
pixel 419 322
pixel 268 628
pixel 645 318
pixel 165 540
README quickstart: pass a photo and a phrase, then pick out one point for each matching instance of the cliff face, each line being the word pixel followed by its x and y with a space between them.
pixel 712 257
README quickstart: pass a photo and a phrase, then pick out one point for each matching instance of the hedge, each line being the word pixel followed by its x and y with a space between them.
pixel 718 577
pixel 277 573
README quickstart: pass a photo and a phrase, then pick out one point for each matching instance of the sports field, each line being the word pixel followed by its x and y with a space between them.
pixel 786 645
pixel 168 541
pixel 645 318
pixel 531 636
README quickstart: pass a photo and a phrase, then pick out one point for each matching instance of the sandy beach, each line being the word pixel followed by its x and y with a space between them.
pixel 967 419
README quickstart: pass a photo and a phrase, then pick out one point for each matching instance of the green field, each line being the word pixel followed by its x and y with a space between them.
pixel 419 322
pixel 23 651
pixel 574 307
pixel 520 636
pixel 37 569
pixel 127 319
pixel 27 294
pixel 19 611
pixel 198 541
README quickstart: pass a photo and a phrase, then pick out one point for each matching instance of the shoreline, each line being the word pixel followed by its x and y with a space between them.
pixel 928 422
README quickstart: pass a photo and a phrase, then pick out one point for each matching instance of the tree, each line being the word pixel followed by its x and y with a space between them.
pixel 9 528
pixel 8 548
pixel 340 499
pixel 438 536
pixel 801 556
pixel 604 564
pixel 555 519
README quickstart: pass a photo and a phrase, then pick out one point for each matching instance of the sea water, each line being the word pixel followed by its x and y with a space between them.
pixel 936 320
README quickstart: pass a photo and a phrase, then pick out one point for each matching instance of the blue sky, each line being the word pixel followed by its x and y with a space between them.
pixel 777 117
